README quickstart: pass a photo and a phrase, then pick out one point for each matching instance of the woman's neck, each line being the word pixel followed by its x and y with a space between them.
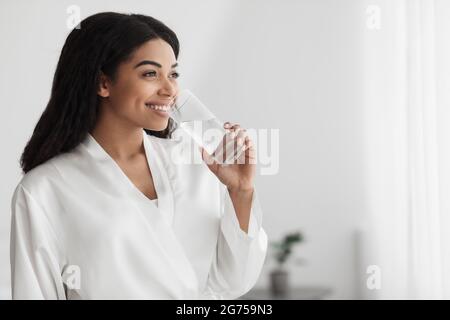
pixel 122 141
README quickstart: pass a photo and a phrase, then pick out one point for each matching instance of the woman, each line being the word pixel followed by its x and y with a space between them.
pixel 105 210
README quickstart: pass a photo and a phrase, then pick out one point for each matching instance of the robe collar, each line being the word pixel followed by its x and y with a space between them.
pixel 161 180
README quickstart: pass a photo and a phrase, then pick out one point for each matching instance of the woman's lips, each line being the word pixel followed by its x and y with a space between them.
pixel 162 110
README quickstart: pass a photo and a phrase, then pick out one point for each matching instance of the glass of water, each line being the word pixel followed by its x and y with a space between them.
pixel 204 128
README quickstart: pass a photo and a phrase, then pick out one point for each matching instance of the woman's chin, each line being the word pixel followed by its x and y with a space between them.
pixel 157 125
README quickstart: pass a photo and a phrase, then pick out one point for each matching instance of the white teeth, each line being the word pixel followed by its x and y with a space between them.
pixel 158 107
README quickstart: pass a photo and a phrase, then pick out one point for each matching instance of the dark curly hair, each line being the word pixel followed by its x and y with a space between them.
pixel 102 42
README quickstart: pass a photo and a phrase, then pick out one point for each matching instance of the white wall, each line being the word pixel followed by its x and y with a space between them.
pixel 289 65
pixel 443 101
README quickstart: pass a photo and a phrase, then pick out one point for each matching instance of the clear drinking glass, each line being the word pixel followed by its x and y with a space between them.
pixel 204 128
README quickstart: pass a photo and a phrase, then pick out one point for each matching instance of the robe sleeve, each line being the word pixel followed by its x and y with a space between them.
pixel 35 271
pixel 239 256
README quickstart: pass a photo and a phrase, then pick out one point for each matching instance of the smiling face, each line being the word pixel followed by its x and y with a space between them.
pixel 146 80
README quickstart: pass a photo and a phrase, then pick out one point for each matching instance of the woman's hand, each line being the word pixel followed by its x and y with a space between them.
pixel 239 175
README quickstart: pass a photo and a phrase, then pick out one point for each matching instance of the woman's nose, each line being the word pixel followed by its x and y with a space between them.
pixel 168 88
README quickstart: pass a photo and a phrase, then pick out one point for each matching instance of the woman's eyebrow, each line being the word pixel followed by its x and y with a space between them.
pixel 144 62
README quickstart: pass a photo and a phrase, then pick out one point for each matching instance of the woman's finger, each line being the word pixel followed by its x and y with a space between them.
pixel 240 137
pixel 239 146
pixel 250 151
pixel 235 127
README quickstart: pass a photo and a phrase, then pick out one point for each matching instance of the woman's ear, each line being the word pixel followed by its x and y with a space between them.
pixel 103 86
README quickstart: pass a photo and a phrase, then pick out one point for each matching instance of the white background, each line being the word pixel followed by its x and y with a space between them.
pixel 290 65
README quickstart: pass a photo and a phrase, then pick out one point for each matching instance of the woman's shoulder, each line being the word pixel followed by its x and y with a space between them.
pixel 41 175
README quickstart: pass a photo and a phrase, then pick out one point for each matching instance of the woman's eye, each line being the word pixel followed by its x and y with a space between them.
pixel 150 74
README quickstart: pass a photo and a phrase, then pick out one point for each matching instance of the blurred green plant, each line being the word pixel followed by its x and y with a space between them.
pixel 283 248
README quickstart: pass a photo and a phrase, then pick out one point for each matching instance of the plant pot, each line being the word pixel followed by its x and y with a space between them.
pixel 279 282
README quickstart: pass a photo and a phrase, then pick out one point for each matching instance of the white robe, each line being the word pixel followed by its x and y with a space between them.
pixel 82 230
